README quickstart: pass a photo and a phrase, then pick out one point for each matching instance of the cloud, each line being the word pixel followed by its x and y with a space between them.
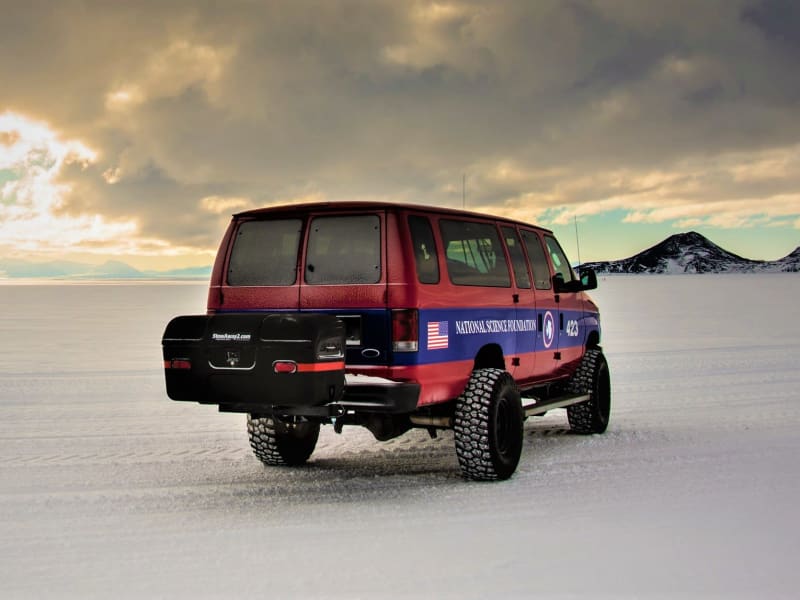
pixel 219 205
pixel 32 218
pixel 677 112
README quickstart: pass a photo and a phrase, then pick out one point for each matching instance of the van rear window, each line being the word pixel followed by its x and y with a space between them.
pixel 265 253
pixel 474 254
pixel 344 250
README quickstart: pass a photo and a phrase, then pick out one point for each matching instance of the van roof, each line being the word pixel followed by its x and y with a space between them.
pixel 347 206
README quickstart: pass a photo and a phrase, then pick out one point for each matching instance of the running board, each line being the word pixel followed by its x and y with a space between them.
pixel 539 407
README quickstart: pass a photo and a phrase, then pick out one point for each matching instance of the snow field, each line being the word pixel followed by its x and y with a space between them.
pixel 108 488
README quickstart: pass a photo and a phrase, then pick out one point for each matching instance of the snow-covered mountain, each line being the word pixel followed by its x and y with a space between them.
pixel 694 253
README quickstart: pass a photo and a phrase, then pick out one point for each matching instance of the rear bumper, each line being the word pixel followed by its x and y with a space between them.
pixel 381 396
pixel 362 395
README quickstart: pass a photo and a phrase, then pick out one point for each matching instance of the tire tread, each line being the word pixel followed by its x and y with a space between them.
pixel 585 418
pixel 472 423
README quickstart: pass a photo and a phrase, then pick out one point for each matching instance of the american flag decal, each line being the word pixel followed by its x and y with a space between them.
pixel 437 335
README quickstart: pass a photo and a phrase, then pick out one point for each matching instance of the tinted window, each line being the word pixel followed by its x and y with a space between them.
pixel 474 254
pixel 265 253
pixel 517 257
pixel 425 256
pixel 560 262
pixel 344 250
pixel 541 271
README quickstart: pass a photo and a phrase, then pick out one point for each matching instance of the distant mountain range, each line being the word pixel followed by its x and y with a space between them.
pixel 694 253
pixel 680 253
pixel 112 269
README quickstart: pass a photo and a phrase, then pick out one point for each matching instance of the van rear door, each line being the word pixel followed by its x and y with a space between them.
pixel 343 273
pixel 260 272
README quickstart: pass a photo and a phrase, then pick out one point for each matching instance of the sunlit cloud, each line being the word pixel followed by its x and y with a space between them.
pixel 9 138
pixel 440 33
pixel 169 71
pixel 30 220
pixel 34 158
pixel 124 98
pixel 112 175
pixel 732 190
pixel 28 144
pixel 219 205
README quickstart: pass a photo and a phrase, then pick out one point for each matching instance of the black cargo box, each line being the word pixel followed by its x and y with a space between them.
pixel 255 361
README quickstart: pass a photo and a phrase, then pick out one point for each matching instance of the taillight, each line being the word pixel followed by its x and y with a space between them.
pixel 405 330
pixel 178 363
pixel 284 366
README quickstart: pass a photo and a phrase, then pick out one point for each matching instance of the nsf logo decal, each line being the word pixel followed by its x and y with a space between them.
pixel 548 329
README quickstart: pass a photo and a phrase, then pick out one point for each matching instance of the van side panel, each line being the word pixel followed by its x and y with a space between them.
pixel 457 321
pixel 447 352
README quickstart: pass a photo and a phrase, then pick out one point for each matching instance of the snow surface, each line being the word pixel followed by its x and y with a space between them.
pixel 109 489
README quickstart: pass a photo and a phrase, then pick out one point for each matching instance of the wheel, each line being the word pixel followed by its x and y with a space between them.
pixel 593 378
pixel 488 426
pixel 276 442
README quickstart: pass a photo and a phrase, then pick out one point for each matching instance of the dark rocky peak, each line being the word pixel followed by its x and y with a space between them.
pixel 691 252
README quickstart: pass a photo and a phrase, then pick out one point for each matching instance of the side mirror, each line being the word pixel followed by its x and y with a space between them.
pixel 559 285
pixel 588 279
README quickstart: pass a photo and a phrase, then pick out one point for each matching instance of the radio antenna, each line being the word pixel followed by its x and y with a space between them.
pixel 463 190
pixel 577 239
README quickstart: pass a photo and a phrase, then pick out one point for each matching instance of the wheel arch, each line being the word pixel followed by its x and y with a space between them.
pixel 593 340
pixel 490 356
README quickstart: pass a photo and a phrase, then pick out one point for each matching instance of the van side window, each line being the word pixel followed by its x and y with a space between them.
pixel 539 266
pixel 344 250
pixel 560 262
pixel 517 258
pixel 265 253
pixel 425 256
pixel 474 254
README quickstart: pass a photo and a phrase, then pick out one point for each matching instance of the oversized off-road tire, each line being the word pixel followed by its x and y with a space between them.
pixel 276 442
pixel 592 377
pixel 488 426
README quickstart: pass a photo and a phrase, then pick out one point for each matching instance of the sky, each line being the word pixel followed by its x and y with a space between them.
pixel 132 131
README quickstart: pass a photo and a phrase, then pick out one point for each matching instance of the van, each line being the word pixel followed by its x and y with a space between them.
pixel 392 317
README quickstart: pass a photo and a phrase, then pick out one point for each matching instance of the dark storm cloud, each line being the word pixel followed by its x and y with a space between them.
pixel 779 20
pixel 275 101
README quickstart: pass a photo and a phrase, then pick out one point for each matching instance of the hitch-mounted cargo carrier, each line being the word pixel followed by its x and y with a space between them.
pixel 252 361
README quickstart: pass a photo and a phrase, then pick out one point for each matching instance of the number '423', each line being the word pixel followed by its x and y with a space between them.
pixel 572 328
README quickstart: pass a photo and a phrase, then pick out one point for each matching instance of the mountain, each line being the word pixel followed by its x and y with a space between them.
pixel 112 269
pixel 693 253
pixel 790 263
pixel 186 273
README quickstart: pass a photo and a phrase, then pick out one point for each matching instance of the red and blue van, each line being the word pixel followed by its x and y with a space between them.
pixel 391 317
